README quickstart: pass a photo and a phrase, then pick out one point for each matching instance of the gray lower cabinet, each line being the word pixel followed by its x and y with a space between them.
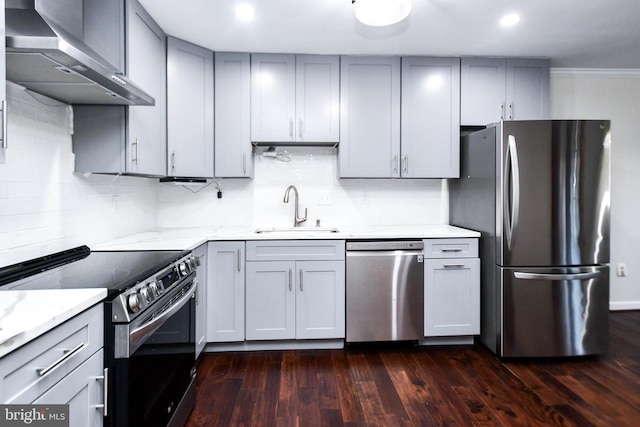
pixel 225 292
pixel 233 150
pixel 452 287
pixel 494 89
pixel 295 290
pixel 190 120
pixel 201 253
pixel 63 366
pixel 129 139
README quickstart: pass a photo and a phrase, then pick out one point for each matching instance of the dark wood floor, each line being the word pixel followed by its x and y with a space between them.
pixel 422 386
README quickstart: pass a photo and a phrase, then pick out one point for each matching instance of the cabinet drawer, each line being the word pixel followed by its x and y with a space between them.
pixel 28 372
pixel 295 250
pixel 450 248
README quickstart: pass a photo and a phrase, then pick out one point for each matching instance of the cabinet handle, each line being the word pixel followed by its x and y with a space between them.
pixel 67 354
pixel 239 259
pixel 244 163
pixel 290 280
pixel 451 249
pixel 291 128
pixel 301 286
pixel 300 128
pixel 3 123
pixel 395 163
pixel 136 151
pixel 173 161
pixel 406 163
pixel 511 111
pixel 453 265
pixel 502 111
pixel 105 388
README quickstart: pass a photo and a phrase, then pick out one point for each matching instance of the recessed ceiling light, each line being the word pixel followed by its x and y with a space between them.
pixel 245 12
pixel 510 19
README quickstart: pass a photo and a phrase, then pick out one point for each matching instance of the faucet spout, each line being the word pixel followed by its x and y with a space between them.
pixel 297 220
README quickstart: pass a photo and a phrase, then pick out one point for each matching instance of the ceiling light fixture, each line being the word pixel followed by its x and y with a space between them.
pixel 245 12
pixel 510 19
pixel 379 13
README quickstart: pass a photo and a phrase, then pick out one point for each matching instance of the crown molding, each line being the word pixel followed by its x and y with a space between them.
pixel 604 73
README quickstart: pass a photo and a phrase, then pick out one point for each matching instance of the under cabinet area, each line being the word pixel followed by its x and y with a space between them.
pixel 295 290
pixel 452 287
pixel 64 366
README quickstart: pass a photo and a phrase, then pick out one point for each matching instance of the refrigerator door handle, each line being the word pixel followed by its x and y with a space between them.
pixel 556 277
pixel 512 191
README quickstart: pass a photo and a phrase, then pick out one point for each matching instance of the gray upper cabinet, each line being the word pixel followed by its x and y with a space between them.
pixel 189 109
pixel 123 139
pixel 146 65
pixel 494 89
pixel 430 118
pixel 3 91
pixel 294 99
pixel 370 117
pixel 233 148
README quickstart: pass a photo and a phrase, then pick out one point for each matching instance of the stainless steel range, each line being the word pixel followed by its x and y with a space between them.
pixel 149 326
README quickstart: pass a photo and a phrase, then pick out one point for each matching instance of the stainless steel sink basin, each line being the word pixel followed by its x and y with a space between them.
pixel 297 230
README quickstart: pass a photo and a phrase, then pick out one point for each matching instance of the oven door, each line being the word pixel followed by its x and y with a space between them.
pixel 153 381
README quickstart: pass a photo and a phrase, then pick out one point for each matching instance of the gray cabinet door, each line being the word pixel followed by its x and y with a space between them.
pixel 3 91
pixel 370 122
pixel 494 89
pixel 317 99
pixel 482 91
pixel 225 292
pixel 527 91
pixel 189 109
pixel 430 132
pixel 201 298
pixel 233 157
pixel 273 102
pixel 146 65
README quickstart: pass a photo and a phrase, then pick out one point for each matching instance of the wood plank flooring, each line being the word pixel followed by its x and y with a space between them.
pixel 401 385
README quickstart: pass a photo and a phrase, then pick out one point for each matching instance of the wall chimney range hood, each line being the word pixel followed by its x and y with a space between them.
pixel 48 55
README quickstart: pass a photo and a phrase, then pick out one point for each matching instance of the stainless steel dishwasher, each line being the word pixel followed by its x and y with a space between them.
pixel 385 290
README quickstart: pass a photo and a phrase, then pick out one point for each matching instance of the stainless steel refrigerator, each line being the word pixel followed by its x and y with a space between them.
pixel 539 193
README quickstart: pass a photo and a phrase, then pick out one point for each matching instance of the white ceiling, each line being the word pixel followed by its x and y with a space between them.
pixel 573 33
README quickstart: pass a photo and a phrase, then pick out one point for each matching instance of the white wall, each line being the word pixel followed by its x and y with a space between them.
pixel 44 206
pixel 259 202
pixel 615 95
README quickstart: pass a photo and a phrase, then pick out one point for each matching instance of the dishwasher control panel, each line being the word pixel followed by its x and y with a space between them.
pixel 384 245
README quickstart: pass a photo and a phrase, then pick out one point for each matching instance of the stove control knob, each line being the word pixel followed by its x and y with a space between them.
pixel 183 269
pixel 146 294
pixel 154 288
pixel 134 303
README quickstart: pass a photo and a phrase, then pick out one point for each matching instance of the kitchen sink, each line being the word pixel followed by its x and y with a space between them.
pixel 297 230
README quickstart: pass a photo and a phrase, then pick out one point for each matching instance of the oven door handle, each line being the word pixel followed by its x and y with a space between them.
pixel 147 329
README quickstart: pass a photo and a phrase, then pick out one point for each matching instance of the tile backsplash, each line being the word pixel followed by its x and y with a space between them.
pixel 46 207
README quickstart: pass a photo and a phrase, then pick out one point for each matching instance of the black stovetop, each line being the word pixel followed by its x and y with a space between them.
pixel 80 268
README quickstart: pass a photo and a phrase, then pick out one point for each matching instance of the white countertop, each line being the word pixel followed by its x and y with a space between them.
pixel 189 238
pixel 25 315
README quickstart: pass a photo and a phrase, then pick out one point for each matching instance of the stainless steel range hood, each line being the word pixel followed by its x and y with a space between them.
pixel 48 59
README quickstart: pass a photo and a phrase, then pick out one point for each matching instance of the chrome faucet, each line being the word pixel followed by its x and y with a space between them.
pixel 296 218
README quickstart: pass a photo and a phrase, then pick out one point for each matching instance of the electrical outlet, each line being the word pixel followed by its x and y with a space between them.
pixel 621 269
pixel 324 198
